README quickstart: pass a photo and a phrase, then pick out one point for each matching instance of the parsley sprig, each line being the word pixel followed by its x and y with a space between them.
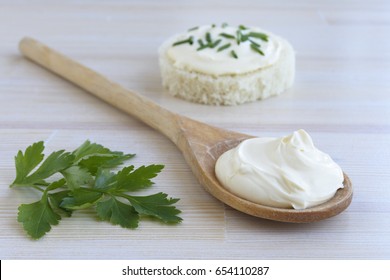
pixel 83 179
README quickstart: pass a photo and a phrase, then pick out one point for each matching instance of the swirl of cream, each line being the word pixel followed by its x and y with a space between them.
pixel 287 172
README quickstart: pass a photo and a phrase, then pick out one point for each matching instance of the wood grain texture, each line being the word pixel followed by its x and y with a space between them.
pixel 341 96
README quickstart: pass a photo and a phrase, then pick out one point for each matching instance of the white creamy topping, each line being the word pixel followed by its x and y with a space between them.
pixel 280 172
pixel 213 62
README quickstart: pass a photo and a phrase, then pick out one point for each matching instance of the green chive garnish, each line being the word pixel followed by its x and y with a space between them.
pixel 256 49
pixel 244 37
pixel 238 33
pixel 193 28
pixel 208 37
pixel 224 47
pixel 239 37
pixel 202 47
pixel 190 41
pixel 259 35
pixel 254 43
pixel 216 43
pixel 233 54
pixel 228 36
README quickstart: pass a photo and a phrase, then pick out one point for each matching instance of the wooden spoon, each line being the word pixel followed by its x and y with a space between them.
pixel 200 143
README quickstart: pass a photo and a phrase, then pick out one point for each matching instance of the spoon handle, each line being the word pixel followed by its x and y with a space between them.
pixel 130 102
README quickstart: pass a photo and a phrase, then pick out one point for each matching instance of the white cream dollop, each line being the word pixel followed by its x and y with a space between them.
pixel 213 62
pixel 287 172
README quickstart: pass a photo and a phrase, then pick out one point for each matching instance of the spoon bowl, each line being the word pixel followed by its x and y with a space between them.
pixel 205 144
pixel 201 144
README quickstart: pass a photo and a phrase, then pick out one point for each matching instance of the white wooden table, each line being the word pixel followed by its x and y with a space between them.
pixel 341 96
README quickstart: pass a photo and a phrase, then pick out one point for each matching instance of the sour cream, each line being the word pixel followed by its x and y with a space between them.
pixel 286 172
pixel 215 62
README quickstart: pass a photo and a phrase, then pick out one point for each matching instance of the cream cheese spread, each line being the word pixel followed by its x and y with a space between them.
pixel 287 172
pixel 224 50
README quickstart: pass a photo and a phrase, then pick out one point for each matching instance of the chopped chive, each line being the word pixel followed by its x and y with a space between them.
pixel 208 37
pixel 216 43
pixel 200 42
pixel 244 37
pixel 193 28
pixel 221 48
pixel 256 49
pixel 254 43
pixel 190 41
pixel 181 42
pixel 228 36
pixel 239 34
pixel 202 47
pixel 233 54
pixel 259 35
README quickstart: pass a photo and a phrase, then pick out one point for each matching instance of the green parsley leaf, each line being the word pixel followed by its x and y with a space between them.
pixel 104 179
pixel 86 181
pixel 157 205
pixel 93 156
pixel 88 149
pixel 56 200
pixel 55 162
pixel 38 217
pixel 76 176
pixel 117 213
pixel 56 185
pixel 129 180
pixel 81 198
pixel 93 163
pixel 26 162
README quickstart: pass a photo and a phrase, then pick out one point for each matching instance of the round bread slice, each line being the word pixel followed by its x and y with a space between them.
pixel 227 88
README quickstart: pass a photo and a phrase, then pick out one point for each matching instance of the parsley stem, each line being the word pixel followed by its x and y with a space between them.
pixel 38 188
pixel 123 195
